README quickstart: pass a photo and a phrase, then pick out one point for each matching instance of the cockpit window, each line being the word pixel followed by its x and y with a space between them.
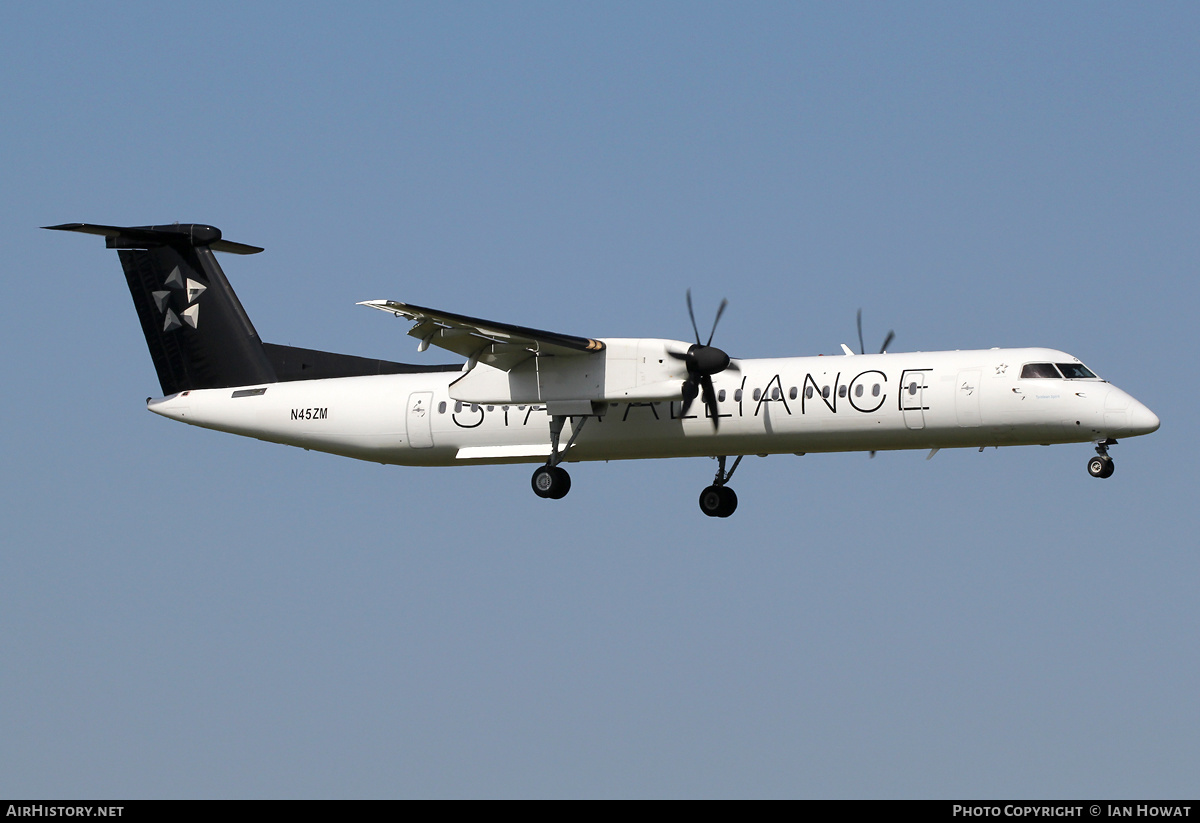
pixel 1039 370
pixel 1074 371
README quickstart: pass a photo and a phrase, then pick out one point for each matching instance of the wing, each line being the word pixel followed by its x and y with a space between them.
pixel 500 345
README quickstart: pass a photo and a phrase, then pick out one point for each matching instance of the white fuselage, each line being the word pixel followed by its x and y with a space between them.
pixel 769 406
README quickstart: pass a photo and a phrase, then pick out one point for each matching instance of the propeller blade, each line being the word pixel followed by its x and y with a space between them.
pixel 689 394
pixel 887 341
pixel 710 400
pixel 692 315
pixel 720 311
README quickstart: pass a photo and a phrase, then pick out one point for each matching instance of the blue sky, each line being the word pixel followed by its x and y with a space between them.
pixel 190 614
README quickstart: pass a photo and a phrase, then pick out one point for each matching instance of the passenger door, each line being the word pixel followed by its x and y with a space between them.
pixel 912 397
pixel 419 420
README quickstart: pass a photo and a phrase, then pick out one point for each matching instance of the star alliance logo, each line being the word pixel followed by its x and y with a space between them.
pixel 162 299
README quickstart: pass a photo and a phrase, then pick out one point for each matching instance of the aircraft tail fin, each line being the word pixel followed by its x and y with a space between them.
pixel 198 334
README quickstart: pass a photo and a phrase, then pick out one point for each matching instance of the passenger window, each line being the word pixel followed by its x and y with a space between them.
pixel 912 387
pixel 737 396
pixel 825 392
pixel 841 391
pixel 858 390
pixel 721 396
pixel 757 394
pixel 775 393
pixel 1039 370
pixel 442 407
pixel 875 390
pixel 808 392
pixel 792 393
pixel 457 406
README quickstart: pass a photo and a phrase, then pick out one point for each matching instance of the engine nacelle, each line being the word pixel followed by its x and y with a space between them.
pixel 627 370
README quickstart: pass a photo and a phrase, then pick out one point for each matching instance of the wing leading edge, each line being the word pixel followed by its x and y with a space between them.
pixel 500 345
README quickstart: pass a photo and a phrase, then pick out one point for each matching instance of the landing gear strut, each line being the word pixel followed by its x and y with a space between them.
pixel 550 481
pixel 718 500
pixel 1102 465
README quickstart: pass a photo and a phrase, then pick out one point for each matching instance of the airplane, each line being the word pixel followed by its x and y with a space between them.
pixel 531 396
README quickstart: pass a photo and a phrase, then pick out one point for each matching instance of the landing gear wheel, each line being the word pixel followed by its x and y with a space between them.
pixel 551 482
pixel 1101 466
pixel 718 501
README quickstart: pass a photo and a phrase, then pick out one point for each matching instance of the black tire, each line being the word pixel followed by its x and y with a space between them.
pixel 729 504
pixel 712 501
pixel 542 481
pixel 562 483
pixel 1101 466
pixel 550 482
pixel 718 501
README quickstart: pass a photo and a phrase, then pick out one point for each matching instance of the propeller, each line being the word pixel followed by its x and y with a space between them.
pixel 887 341
pixel 703 360
pixel 862 349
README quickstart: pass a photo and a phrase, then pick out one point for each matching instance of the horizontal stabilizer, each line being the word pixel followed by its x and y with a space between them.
pixel 147 237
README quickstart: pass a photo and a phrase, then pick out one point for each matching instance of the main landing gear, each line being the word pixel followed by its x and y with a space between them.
pixel 1102 465
pixel 550 481
pixel 718 500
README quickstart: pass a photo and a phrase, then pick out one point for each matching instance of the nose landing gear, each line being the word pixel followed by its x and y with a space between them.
pixel 718 500
pixel 1102 465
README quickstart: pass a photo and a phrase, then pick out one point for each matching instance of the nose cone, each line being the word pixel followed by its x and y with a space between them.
pixel 1126 417
pixel 1141 419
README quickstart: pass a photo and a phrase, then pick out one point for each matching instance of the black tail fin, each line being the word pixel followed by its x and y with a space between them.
pixel 198 333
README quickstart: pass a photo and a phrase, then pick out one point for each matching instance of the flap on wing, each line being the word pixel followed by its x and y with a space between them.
pixel 499 345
